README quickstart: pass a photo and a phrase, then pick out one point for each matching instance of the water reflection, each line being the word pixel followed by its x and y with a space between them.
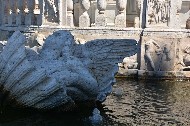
pixel 131 103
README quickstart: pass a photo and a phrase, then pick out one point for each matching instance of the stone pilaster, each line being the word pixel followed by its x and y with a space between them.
pixel 101 20
pixel 84 19
pixel 63 12
pixel 120 20
pixel 174 19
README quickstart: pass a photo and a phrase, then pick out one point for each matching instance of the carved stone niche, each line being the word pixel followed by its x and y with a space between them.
pixel 158 54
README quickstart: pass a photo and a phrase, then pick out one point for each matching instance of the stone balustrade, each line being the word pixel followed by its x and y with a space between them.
pixel 91 13
pixel 21 12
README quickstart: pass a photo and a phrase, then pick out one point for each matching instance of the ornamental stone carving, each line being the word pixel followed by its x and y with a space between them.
pixel 62 72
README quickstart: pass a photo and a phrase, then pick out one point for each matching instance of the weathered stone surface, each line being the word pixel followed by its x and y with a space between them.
pixel 101 20
pixel 84 20
pixel 61 71
pixel 120 21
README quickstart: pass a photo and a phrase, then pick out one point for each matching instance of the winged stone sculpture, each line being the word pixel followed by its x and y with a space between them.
pixel 61 71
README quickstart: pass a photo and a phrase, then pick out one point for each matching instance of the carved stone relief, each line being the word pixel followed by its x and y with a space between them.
pixel 158 55
pixel 184 53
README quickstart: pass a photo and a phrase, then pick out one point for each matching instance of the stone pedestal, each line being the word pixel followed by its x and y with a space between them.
pixel 101 20
pixel 120 21
pixel 84 20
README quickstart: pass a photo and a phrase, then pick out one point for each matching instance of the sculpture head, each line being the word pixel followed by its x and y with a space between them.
pixel 58 44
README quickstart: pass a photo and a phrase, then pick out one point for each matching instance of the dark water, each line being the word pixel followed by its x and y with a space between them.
pixel 131 103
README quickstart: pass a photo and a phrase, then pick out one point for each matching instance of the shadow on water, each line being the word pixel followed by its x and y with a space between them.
pixel 131 103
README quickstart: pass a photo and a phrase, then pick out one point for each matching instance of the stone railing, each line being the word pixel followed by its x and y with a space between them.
pixel 90 13
pixel 72 13
pixel 21 12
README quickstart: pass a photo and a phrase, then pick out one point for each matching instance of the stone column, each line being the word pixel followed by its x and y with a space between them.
pixel 29 18
pixel 84 19
pixel 21 14
pixel 120 20
pixel 101 20
pixel 63 12
pixel 70 13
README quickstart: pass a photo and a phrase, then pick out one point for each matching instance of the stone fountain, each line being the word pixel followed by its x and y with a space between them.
pixel 61 71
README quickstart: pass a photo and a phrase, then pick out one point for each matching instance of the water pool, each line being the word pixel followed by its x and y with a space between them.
pixel 135 103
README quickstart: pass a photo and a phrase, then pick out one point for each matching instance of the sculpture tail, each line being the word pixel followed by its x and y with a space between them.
pixel 26 85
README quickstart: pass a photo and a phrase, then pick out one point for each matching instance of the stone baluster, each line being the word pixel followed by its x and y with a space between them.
pixel 120 20
pixel 70 13
pixel 84 19
pixel 13 12
pixel 29 18
pixel 21 13
pixel 101 20
pixel 137 18
pixel 6 9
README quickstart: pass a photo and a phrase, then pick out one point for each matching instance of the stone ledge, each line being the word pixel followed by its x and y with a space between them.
pixel 155 75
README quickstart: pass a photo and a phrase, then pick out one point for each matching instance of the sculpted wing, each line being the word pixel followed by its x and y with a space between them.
pixel 104 56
